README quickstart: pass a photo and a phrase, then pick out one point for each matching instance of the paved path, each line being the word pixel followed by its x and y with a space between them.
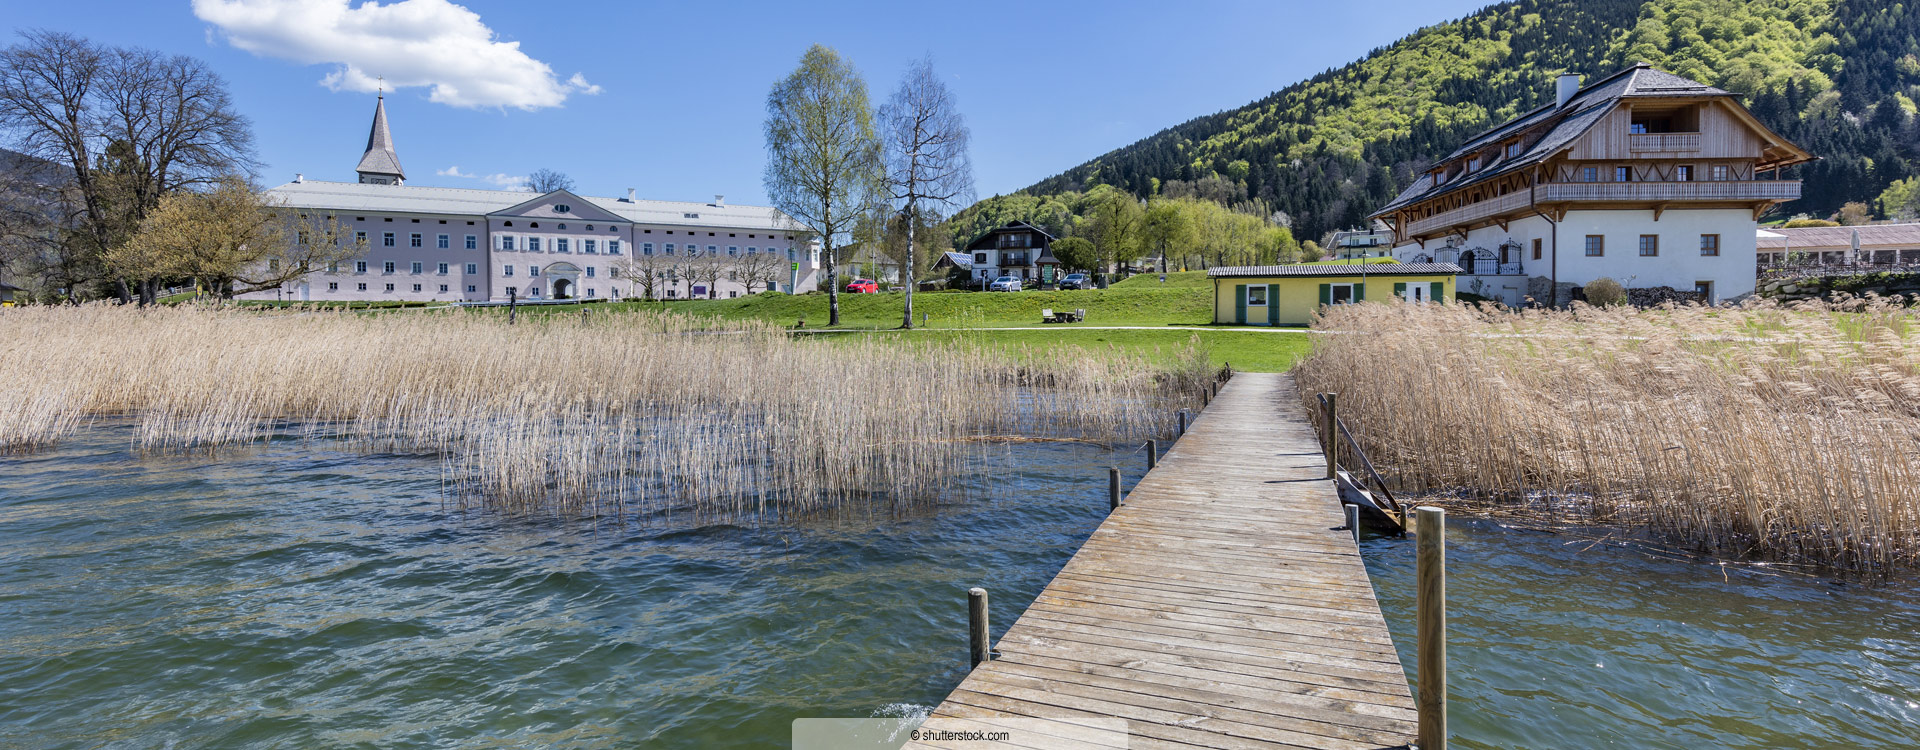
pixel 1220 607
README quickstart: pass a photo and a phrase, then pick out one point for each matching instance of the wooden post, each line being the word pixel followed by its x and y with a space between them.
pixel 1153 454
pixel 513 300
pixel 1183 423
pixel 1331 432
pixel 1113 488
pixel 1431 613
pixel 1353 519
pixel 977 625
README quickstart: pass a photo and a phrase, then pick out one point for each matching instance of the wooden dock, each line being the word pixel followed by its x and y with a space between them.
pixel 1223 606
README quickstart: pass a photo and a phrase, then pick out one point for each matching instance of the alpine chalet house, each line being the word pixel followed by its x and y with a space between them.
pixel 464 245
pixel 1019 249
pixel 1643 177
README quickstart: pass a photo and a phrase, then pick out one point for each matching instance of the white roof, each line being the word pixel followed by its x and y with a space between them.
pixel 1766 235
pixel 414 199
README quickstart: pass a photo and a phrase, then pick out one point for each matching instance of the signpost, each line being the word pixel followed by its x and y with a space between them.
pixel 793 279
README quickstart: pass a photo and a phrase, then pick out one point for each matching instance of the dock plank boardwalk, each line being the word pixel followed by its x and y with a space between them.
pixel 1222 606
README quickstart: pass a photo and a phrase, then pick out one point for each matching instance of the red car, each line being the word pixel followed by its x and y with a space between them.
pixel 863 286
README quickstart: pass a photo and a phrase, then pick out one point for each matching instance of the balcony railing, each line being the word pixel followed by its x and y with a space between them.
pixel 1642 142
pixel 1560 192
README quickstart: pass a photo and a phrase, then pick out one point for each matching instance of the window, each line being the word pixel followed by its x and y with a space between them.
pixel 1683 173
pixel 473 268
pixel 711 249
pixel 752 250
pixel 413 240
pixel 472 288
pixel 416 287
pixel 333 286
pixel 443 271
pixel 1709 244
pixel 1589 174
pixel 646 248
pixel 982 257
pixel 1596 245
pixel 359 266
pixel 443 288
pixel 733 250
pixel 586 246
pixel 533 244
pixel 416 266
pixel 363 286
pixel 1256 295
pixel 1340 294
pixel 1719 173
pixel 592 292
pixel 613 247
pixel 1637 128
pixel 1536 248
pixel 533 270
pixel 389 287
pixel 386 239
pixel 387 267
pixel 560 245
pixel 669 248
pixel 689 216
pixel 1513 149
pixel 589 272
pixel 506 242
pixel 473 243
pixel 513 291
pixel 1622 174
pixel 359 238
pixel 561 208
pixel 443 242
pixel 506 270
pixel 1649 245
pixel 1704 289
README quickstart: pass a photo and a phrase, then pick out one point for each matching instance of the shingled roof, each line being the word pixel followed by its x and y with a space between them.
pixel 1566 124
pixel 1334 269
pixel 380 158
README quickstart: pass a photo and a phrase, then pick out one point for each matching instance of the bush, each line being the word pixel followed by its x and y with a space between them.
pixel 1798 223
pixel 1605 292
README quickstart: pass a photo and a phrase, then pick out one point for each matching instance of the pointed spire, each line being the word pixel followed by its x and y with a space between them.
pixel 380 164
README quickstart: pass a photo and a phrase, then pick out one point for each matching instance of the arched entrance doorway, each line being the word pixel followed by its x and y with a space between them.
pixel 563 280
pixel 562 289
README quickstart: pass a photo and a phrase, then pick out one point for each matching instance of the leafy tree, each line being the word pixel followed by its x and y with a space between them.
pixel 1901 200
pixel 234 239
pixel 1113 225
pixel 1167 226
pixel 1854 214
pixel 824 162
pixel 1076 253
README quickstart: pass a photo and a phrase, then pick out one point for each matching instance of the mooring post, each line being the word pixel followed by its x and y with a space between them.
pixel 1353 519
pixel 513 300
pixel 1153 454
pixel 1332 432
pixel 1183 423
pixel 1430 605
pixel 1113 488
pixel 977 625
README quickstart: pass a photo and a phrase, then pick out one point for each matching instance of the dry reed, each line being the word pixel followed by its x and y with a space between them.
pixel 634 414
pixel 1785 433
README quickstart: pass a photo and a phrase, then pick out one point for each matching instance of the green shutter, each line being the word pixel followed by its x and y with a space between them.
pixel 1439 291
pixel 1240 304
pixel 1360 292
pixel 1400 289
pixel 1273 304
pixel 1326 294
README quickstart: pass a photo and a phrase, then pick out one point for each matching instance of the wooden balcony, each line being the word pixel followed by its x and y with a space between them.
pixel 1496 206
pixel 1703 191
pixel 1663 142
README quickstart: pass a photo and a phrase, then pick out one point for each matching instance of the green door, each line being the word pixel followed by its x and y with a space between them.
pixel 1273 304
pixel 1240 304
pixel 1439 291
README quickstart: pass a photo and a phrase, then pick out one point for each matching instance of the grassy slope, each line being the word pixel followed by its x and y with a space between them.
pixel 1249 351
pixel 1105 307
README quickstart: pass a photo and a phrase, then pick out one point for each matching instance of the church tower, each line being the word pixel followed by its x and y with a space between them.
pixel 379 165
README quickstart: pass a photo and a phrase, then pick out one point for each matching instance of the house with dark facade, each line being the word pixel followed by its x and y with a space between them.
pixel 1019 249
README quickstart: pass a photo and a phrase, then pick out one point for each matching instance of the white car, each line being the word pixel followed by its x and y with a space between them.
pixel 1004 284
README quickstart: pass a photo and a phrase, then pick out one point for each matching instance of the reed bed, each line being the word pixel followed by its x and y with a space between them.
pixel 633 414
pixel 1789 433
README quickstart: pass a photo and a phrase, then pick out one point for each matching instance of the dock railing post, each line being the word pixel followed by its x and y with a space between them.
pixel 1183 423
pixel 977 626
pixel 1353 519
pixel 1431 612
pixel 1113 488
pixel 1153 454
pixel 1331 430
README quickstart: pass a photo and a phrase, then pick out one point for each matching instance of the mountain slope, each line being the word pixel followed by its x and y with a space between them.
pixel 1837 76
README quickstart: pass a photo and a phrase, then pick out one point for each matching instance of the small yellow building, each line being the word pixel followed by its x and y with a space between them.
pixel 7 293
pixel 1288 295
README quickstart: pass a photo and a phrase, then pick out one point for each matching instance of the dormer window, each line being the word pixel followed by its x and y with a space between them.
pixel 561 208
pixel 1513 149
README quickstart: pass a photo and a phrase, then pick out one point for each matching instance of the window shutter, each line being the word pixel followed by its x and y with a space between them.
pixel 1359 292
pixel 1240 304
pixel 1400 289
pixel 1439 291
pixel 1273 304
pixel 1326 294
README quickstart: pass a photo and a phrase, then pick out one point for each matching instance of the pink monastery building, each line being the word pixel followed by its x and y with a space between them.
pixel 465 245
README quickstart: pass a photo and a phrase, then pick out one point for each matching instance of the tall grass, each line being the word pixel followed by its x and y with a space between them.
pixel 1793 433
pixel 625 413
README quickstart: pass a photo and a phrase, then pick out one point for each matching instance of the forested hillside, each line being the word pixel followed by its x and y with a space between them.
pixel 1839 77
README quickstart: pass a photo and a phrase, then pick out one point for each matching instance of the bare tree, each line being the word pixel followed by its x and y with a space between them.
pixel 759 269
pixel 707 269
pixel 928 167
pixel 645 273
pixel 132 124
pixel 824 165
pixel 548 180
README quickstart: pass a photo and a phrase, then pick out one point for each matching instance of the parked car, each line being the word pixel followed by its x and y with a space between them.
pixel 1075 281
pixel 1005 284
pixel 863 286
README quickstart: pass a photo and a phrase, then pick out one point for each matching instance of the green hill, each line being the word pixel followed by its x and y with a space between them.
pixel 1839 77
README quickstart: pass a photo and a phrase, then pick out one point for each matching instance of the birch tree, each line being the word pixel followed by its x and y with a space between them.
pixel 928 168
pixel 824 164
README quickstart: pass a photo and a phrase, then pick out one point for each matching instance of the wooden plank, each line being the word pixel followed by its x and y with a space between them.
pixel 1222 606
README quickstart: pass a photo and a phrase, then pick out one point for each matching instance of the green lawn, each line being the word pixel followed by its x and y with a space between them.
pixel 1175 280
pixel 1105 307
pixel 1247 351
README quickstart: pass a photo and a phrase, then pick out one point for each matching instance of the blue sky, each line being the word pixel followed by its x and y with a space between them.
pixel 668 98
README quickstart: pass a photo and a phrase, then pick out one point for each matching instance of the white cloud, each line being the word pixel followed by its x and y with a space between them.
pixel 497 179
pixel 410 43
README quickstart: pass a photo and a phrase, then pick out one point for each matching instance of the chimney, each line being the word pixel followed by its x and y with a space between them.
pixel 719 201
pixel 1565 88
pixel 629 198
pixel 299 177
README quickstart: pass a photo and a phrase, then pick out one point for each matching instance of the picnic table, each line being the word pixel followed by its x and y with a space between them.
pixel 1064 316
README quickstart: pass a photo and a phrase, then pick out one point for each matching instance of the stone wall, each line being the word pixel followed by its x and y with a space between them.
pixel 1660 295
pixel 1827 287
